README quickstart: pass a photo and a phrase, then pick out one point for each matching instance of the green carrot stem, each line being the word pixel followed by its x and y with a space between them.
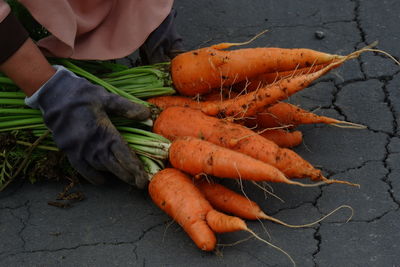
pixel 137 70
pixel 150 166
pixel 12 95
pixel 153 93
pixel 155 152
pixel 133 78
pixel 21 127
pixel 6 80
pixel 12 101
pixel 16 117
pixel 150 144
pixel 99 81
pixel 23 122
pixel 27 111
pixel 143 132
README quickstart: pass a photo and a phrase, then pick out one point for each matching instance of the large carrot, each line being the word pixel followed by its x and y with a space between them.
pixel 199 71
pixel 176 122
pixel 173 192
pixel 283 113
pixel 248 104
pixel 196 157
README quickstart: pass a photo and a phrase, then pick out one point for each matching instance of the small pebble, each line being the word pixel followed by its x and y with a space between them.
pixel 319 35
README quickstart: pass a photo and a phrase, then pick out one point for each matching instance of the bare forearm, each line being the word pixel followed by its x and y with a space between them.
pixel 28 68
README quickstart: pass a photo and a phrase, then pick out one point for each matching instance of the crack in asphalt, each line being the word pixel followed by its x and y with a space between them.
pixel 361 31
pixel 134 242
pixel 317 236
pixel 387 154
pixel 24 223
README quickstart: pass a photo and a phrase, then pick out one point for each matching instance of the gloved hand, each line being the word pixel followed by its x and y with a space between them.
pixel 75 110
pixel 163 44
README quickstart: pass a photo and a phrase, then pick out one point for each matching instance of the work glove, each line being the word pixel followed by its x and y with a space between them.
pixel 163 44
pixel 75 110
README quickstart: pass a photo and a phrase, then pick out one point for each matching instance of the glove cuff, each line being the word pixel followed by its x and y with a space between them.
pixel 33 100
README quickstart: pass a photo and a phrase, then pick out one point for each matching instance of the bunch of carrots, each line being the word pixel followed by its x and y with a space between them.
pixel 226 120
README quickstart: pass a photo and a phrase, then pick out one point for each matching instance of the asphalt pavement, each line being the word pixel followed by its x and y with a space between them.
pixel 119 226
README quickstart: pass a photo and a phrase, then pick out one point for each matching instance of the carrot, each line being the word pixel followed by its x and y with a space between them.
pixel 173 192
pixel 227 200
pixel 199 71
pixel 176 122
pixel 282 138
pixel 164 102
pixel 283 113
pixel 248 104
pixel 220 95
pixel 222 223
pixel 264 79
pixel 196 157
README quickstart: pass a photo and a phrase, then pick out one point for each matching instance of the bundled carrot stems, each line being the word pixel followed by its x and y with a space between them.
pixel 132 83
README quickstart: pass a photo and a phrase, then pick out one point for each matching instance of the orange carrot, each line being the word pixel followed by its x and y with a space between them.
pixel 282 138
pixel 164 102
pixel 264 79
pixel 176 122
pixel 173 192
pixel 249 104
pixel 195 156
pixel 220 95
pixel 282 114
pixel 222 223
pixel 199 71
pixel 226 200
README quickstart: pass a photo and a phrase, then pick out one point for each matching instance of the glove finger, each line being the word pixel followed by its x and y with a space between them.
pixel 126 160
pixel 93 176
pixel 126 108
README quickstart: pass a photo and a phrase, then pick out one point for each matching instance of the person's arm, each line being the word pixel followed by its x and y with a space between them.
pixel 28 68
pixel 75 110
pixel 20 58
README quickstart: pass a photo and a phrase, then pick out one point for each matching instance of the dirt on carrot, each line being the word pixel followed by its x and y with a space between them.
pixel 199 71
pixel 173 192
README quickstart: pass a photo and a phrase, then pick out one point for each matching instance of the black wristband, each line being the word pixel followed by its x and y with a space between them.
pixel 12 36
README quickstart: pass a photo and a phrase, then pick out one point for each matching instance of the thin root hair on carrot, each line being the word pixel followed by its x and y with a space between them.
pixel 270 218
pixel 245 195
pixel 228 45
pixel 272 245
pixel 349 125
pixel 268 192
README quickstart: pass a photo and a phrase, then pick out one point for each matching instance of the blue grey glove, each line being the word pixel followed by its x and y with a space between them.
pixel 75 110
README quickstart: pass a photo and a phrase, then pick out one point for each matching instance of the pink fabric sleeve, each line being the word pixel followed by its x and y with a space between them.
pixel 4 10
pixel 97 29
